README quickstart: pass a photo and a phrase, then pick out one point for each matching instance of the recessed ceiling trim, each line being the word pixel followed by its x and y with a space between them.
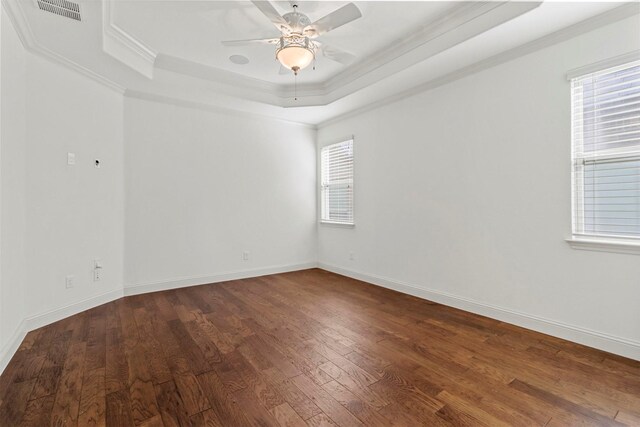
pixel 609 17
pixel 464 22
pixel 264 91
pixel 452 20
pixel 603 65
pixel 124 47
pixel 364 102
pixel 16 14
pixel 172 100
pixel 617 14
pixel 457 25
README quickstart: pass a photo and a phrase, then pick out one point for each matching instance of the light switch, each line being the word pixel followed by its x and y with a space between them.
pixel 71 159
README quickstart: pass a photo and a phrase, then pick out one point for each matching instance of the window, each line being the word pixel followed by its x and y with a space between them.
pixel 606 153
pixel 337 183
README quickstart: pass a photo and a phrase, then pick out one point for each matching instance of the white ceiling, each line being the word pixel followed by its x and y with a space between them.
pixel 192 30
pixel 170 50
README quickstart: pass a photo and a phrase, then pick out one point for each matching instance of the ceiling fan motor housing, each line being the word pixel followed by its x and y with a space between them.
pixel 296 47
pixel 297 21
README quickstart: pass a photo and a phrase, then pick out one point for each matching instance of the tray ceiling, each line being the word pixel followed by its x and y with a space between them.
pixel 171 50
pixel 193 30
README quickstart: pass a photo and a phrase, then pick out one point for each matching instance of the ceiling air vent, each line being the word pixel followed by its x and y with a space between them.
pixel 61 7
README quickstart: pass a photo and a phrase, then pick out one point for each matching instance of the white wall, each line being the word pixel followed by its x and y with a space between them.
pixel 56 219
pixel 12 187
pixel 204 186
pixel 75 214
pixel 465 191
pixel 451 195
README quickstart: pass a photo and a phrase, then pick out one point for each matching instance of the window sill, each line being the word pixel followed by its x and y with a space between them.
pixel 337 224
pixel 604 245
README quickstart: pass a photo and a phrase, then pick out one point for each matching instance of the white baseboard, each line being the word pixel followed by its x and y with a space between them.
pixel 10 348
pixel 39 320
pixel 606 342
pixel 182 282
pixel 48 317
pixel 617 345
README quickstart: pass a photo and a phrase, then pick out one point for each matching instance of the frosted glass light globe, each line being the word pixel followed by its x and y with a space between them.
pixel 295 57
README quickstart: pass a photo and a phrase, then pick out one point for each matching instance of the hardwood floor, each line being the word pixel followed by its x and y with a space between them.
pixel 306 348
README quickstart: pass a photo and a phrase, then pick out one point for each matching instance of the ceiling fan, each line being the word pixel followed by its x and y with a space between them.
pixel 297 45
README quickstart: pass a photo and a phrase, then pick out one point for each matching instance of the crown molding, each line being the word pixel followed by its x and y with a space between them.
pixel 253 89
pixel 217 75
pixel 185 103
pixel 463 21
pixel 279 96
pixel 14 11
pixel 603 65
pixel 609 17
pixel 452 20
pixel 123 46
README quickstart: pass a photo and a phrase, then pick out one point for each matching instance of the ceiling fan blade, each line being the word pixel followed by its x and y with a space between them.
pixel 338 55
pixel 271 13
pixel 249 42
pixel 335 19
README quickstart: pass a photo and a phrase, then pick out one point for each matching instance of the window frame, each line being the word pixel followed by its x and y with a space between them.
pixel 321 220
pixel 597 242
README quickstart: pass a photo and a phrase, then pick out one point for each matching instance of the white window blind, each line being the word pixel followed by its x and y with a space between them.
pixel 606 152
pixel 337 182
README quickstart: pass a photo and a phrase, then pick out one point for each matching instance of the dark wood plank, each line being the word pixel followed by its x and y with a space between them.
pixel 300 403
pixel 93 398
pixel 67 402
pixel 118 409
pixel 286 416
pixel 364 412
pixel 38 412
pixel 308 347
pixel 141 391
pixel 117 371
pixel 15 401
pixel 321 420
pixel 561 402
pixel 206 418
pixel 325 401
pixel 158 367
pixel 225 407
pixel 260 386
pixel 172 408
pixel 49 376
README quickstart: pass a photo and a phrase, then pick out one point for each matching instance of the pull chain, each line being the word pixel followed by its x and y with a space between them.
pixel 295 82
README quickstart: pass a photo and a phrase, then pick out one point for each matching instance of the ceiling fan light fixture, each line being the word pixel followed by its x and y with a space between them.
pixel 295 52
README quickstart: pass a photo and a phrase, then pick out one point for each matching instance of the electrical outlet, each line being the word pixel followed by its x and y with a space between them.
pixel 69 281
pixel 71 159
pixel 352 257
pixel 245 256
